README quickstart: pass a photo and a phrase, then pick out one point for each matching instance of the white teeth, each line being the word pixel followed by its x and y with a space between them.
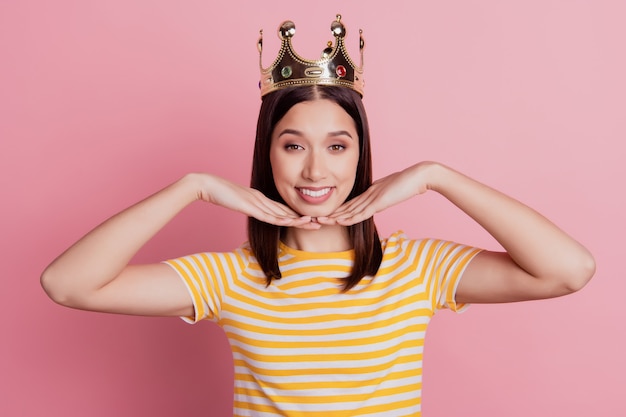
pixel 312 193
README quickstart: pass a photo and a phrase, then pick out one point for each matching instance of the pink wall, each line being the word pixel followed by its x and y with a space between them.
pixel 102 103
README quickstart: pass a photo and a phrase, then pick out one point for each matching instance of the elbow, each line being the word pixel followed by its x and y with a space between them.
pixel 53 286
pixel 48 283
pixel 65 289
pixel 580 273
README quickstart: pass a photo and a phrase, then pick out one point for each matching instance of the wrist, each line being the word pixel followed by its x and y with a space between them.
pixel 432 174
pixel 195 185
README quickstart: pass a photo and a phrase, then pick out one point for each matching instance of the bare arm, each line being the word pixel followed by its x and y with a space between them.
pixel 540 260
pixel 94 274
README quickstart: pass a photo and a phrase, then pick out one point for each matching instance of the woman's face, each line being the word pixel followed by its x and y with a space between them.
pixel 314 155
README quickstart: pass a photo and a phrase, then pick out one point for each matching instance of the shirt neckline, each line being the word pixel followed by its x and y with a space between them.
pixel 285 249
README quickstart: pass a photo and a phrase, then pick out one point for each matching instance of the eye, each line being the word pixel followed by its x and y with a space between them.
pixel 336 147
pixel 293 147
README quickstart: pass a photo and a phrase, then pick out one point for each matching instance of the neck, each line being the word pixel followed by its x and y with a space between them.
pixel 325 239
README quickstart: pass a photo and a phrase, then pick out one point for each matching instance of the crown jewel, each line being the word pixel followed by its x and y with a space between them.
pixel 335 67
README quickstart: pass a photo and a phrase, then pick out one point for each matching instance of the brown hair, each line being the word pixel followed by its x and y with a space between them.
pixel 264 237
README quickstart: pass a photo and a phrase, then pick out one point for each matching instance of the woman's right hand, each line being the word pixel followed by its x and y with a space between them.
pixel 94 273
pixel 251 202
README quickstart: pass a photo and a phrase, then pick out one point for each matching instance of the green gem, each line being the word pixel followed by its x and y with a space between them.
pixel 286 72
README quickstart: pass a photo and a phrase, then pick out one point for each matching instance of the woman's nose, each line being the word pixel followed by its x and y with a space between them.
pixel 315 167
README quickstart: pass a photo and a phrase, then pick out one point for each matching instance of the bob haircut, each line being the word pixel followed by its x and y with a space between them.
pixel 264 237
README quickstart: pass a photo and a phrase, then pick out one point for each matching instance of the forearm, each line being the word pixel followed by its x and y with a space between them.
pixel 533 242
pixel 100 256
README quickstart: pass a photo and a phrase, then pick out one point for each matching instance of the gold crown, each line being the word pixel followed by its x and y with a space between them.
pixel 335 67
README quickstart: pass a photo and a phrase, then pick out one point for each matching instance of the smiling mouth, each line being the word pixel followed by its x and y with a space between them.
pixel 314 193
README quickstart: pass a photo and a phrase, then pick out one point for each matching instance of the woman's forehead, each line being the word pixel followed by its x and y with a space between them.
pixel 316 115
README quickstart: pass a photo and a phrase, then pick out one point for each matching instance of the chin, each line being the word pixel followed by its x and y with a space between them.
pixel 315 211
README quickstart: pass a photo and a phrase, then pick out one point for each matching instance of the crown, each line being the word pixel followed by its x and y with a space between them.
pixel 335 67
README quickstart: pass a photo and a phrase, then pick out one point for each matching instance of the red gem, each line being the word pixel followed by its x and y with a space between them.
pixel 341 71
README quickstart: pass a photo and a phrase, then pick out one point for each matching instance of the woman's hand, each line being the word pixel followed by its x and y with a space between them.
pixel 382 194
pixel 250 202
pixel 94 273
pixel 540 260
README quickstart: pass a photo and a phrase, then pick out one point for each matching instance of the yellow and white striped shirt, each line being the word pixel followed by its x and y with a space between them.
pixel 301 347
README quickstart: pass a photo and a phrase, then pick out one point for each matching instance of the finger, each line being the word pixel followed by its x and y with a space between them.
pixel 275 208
pixel 346 209
pixel 356 201
pixel 309 226
pixel 357 207
pixel 269 213
pixel 363 211
pixel 359 202
pixel 280 220
pixel 327 221
pixel 357 218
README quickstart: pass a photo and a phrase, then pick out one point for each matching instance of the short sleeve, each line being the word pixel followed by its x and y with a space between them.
pixel 448 262
pixel 207 276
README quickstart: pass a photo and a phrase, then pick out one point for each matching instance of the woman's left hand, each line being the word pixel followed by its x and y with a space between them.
pixel 382 194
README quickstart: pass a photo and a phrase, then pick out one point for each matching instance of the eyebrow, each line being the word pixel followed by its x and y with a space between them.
pixel 298 133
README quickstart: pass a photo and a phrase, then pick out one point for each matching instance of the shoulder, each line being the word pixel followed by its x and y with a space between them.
pixel 237 259
pixel 394 240
pixel 240 258
pixel 399 244
pixel 244 252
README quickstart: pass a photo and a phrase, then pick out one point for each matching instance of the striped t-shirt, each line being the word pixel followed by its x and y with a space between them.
pixel 302 347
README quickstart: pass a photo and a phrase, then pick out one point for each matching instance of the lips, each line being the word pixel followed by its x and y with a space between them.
pixel 315 195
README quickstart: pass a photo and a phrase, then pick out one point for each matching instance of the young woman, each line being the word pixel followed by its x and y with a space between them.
pixel 322 315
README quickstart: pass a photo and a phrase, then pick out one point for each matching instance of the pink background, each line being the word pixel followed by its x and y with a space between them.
pixel 104 102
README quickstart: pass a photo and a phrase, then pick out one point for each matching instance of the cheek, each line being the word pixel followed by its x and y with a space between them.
pixel 350 168
pixel 280 171
pixel 274 165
